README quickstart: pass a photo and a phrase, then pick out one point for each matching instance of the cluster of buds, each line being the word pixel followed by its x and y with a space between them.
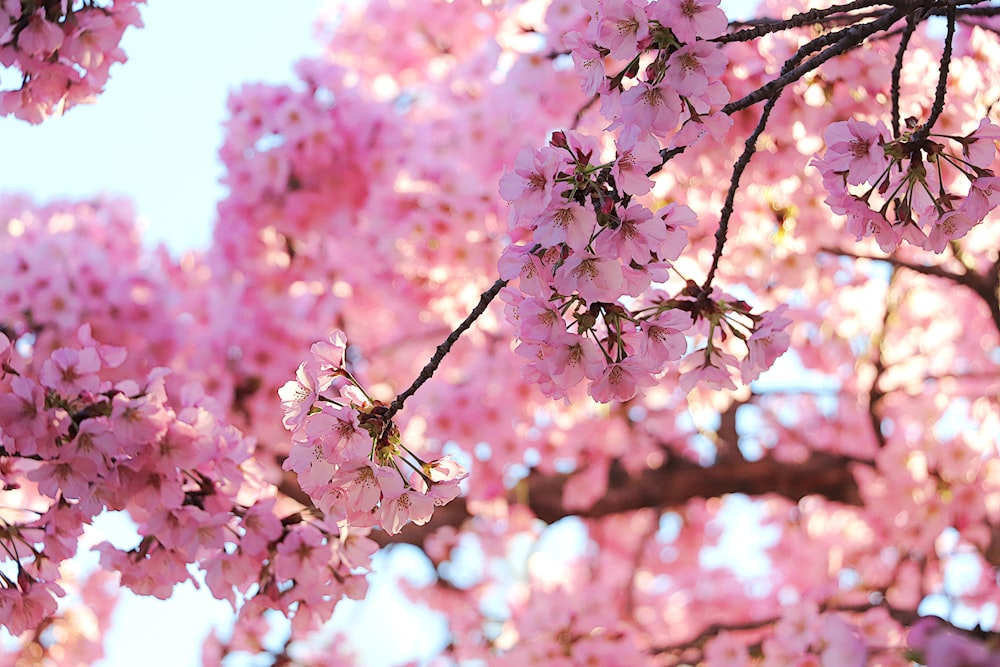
pixel 348 453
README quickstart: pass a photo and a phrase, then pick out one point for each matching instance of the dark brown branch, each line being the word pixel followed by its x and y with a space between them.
pixel 985 286
pixel 670 485
pixel 15 455
pixel 766 26
pixel 842 42
pixel 942 84
pixel 905 617
pixel 749 148
pixel 897 70
pixel 840 15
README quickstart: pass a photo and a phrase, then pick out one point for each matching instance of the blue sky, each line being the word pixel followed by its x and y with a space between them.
pixel 153 135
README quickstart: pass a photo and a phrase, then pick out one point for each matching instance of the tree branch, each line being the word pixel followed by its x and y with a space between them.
pixel 766 26
pixel 897 70
pixel 444 348
pixel 841 42
pixel 986 287
pixel 942 84
pixel 671 485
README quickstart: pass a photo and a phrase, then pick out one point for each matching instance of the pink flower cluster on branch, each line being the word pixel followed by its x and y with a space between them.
pixel 671 74
pixel 76 444
pixel 586 304
pixel 347 451
pixel 926 190
pixel 63 51
pixel 589 255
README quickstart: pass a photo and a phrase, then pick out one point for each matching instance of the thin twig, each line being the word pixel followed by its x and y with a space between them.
pixel 942 84
pixel 875 393
pixel 749 148
pixel 444 348
pixel 897 69
pixel 666 155
pixel 842 41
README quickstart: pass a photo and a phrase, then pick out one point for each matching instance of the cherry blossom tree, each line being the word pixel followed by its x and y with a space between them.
pixel 484 268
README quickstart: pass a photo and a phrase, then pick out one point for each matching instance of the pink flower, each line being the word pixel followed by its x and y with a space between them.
pixel 534 277
pixel 445 475
pixel 329 355
pixel 691 67
pixel 843 646
pixel 636 156
pixel 983 197
pixel 799 628
pixel 570 223
pixel 980 144
pixel 41 37
pixel 24 610
pixel 6 352
pixel 621 381
pixel 227 573
pixel 634 239
pixel 690 19
pixel 539 321
pixel 725 650
pixel 562 363
pixel 950 226
pixel 593 277
pixel 855 147
pixel 22 412
pixel 361 482
pixel 302 550
pixel 70 477
pixel 260 527
pixel 768 341
pixel 678 219
pixel 531 186
pixel 138 421
pixel 651 108
pixel 620 26
pixel 401 505
pixel 354 549
pixel 93 41
pixel 661 339
pixel 298 395
pixel 862 221
pixel 713 371
pixel 70 371
pixel 587 60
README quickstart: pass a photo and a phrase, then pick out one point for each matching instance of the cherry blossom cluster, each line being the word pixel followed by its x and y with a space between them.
pixel 75 444
pixel 672 76
pixel 927 189
pixel 62 50
pixel 935 642
pixel 805 636
pixel 586 304
pixel 347 451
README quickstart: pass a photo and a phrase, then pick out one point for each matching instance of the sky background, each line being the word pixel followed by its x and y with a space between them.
pixel 153 137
